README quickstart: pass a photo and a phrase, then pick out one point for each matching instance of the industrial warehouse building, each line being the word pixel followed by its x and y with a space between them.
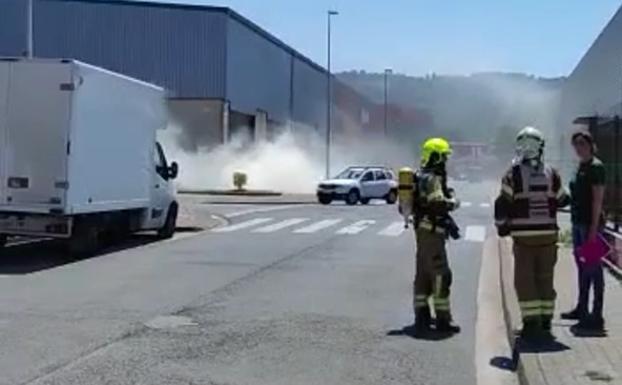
pixel 224 74
pixel 594 88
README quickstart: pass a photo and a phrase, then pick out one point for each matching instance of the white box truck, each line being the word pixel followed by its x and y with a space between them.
pixel 78 154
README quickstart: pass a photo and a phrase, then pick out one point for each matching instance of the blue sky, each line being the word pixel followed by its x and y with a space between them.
pixel 541 37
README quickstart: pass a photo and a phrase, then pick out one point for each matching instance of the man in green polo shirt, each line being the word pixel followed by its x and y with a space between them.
pixel 587 190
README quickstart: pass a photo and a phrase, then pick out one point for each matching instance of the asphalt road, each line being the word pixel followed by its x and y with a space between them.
pixel 285 295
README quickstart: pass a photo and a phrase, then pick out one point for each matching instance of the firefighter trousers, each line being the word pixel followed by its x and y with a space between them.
pixel 432 273
pixel 534 267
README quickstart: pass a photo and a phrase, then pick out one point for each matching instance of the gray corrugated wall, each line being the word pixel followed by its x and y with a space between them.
pixel 12 27
pixel 258 73
pixel 309 95
pixel 185 50
pixel 182 50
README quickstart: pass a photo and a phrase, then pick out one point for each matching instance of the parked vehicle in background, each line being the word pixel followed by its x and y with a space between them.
pixel 359 184
pixel 607 134
pixel 79 155
pixel 470 161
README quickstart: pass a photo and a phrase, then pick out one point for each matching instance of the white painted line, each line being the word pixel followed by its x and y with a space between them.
pixel 466 204
pixel 280 225
pixel 395 229
pixel 484 205
pixel 259 210
pixel 317 226
pixel 241 225
pixel 356 227
pixel 475 234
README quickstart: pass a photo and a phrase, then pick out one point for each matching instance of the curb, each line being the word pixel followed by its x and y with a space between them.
pixel 261 203
pixel 507 315
pixel 233 193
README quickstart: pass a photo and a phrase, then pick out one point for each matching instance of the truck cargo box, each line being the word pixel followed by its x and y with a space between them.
pixel 74 138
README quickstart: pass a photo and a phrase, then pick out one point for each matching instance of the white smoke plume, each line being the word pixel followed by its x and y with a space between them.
pixel 291 163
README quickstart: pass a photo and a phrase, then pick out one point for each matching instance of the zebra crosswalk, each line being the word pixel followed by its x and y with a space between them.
pixel 338 226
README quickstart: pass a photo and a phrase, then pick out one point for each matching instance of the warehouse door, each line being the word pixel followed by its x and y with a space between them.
pixel 241 128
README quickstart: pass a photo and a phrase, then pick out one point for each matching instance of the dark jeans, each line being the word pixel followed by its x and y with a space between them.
pixel 589 275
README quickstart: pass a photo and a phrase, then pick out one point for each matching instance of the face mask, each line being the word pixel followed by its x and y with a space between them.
pixel 528 148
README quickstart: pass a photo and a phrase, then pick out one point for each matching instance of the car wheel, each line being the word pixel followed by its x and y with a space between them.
pixel 391 197
pixel 364 201
pixel 325 199
pixel 352 198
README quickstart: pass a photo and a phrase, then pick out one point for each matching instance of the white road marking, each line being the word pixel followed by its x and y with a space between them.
pixel 395 229
pixel 475 233
pixel 317 226
pixel 280 225
pixel 242 225
pixel 466 204
pixel 356 227
pixel 260 210
pixel 484 205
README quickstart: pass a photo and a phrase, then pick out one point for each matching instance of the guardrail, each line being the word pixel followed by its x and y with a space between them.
pixel 614 261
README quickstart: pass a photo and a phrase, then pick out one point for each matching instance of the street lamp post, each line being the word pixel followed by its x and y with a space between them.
pixel 329 99
pixel 29 30
pixel 387 72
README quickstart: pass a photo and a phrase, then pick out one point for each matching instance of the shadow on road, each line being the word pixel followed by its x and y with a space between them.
pixel 505 363
pixel 540 347
pixel 410 331
pixel 586 333
pixel 37 255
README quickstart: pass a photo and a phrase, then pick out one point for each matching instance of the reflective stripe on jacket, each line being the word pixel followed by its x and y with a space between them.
pixel 529 198
pixel 432 202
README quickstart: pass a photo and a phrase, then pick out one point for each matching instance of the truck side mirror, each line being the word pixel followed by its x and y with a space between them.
pixel 173 170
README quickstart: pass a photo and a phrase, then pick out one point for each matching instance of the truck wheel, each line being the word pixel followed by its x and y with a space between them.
pixel 352 198
pixel 364 201
pixel 391 197
pixel 168 230
pixel 84 240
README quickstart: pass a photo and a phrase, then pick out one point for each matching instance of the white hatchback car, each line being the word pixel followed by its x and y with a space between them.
pixel 359 184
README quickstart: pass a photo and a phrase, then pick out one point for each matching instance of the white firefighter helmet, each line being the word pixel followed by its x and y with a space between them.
pixel 529 143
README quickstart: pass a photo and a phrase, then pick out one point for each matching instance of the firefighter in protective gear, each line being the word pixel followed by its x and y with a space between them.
pixel 526 210
pixel 433 202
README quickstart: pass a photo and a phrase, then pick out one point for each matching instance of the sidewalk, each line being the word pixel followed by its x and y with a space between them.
pixel 193 216
pixel 285 199
pixel 572 360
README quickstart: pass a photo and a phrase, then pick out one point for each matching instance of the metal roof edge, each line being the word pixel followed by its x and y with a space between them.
pixel 150 3
pixel 230 12
pixel 595 43
pixel 265 34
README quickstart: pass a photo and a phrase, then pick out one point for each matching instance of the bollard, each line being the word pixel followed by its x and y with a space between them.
pixel 239 180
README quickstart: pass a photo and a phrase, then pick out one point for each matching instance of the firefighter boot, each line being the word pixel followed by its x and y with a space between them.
pixel 423 320
pixel 545 331
pixel 531 330
pixel 445 324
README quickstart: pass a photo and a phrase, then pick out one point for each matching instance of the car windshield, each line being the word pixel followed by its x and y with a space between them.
pixel 350 173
